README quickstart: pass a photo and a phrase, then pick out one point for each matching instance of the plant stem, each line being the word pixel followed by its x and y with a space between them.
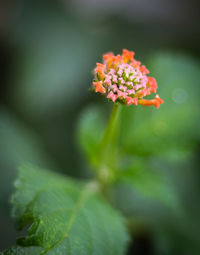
pixel 110 131
pixel 107 154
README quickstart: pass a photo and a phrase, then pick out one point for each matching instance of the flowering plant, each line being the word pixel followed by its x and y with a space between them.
pixel 79 217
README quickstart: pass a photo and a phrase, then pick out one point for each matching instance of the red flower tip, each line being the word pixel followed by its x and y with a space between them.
pixel 99 70
pixel 131 100
pixel 127 55
pixel 152 84
pixel 107 56
pixel 144 70
pixel 157 101
pixel 99 87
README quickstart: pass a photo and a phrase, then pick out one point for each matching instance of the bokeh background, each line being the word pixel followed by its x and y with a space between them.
pixel 48 116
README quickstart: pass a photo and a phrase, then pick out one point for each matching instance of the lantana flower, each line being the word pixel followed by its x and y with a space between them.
pixel 123 79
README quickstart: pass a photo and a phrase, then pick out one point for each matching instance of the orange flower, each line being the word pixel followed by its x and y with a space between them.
pixel 123 79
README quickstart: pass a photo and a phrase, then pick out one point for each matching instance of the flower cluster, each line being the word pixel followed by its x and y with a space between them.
pixel 123 79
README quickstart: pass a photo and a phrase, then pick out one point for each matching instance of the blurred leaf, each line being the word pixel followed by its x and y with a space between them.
pixel 18 144
pixel 90 132
pixel 138 174
pixel 67 217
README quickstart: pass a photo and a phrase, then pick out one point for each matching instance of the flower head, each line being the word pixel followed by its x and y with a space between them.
pixel 123 79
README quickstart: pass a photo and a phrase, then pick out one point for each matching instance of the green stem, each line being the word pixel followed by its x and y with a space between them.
pixel 107 155
pixel 111 129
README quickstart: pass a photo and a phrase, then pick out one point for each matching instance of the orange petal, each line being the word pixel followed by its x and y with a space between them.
pixel 100 70
pixel 100 65
pixel 144 92
pixel 127 55
pixel 108 59
pixel 144 70
pixel 156 102
pixel 99 87
pixel 107 56
pixel 131 100
pixel 152 84
pixel 135 63
pixel 116 60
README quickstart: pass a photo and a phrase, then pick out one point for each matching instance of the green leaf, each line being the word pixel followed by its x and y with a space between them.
pixel 90 132
pixel 66 217
pixel 138 174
